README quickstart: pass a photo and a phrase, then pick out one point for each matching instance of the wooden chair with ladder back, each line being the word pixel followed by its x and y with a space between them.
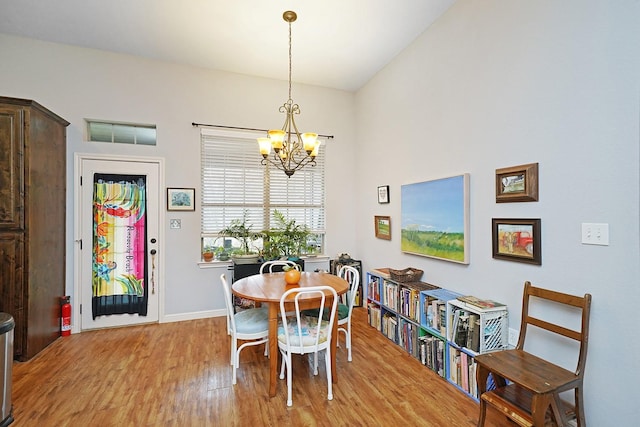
pixel 527 387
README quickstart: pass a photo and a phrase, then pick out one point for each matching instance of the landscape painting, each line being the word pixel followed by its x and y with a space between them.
pixel 435 218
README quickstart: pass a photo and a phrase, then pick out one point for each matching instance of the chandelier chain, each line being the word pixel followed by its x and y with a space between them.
pixel 290 67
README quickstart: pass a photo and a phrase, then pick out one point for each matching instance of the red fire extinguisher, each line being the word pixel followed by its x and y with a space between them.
pixel 65 316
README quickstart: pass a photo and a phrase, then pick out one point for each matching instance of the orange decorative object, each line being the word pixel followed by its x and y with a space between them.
pixel 292 277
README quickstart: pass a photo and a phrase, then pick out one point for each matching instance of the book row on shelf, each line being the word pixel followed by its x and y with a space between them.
pixel 408 337
pixel 463 372
pixel 410 303
pixel 389 326
pixel 442 329
pixel 432 353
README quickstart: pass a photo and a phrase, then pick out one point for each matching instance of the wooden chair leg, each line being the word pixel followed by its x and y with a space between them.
pixel 558 411
pixel 483 413
pixel 579 407
pixel 539 405
pixel 482 376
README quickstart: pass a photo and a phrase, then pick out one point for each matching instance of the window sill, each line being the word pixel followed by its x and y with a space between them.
pixel 215 264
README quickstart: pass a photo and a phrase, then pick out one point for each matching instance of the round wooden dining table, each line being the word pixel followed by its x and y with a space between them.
pixel 267 289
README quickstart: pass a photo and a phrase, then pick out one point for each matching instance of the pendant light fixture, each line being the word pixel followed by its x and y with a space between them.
pixel 291 150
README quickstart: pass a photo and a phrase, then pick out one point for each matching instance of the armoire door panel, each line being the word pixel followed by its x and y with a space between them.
pixel 11 168
pixel 11 272
pixel 12 283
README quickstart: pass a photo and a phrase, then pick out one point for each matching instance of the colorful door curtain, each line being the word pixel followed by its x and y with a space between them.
pixel 119 245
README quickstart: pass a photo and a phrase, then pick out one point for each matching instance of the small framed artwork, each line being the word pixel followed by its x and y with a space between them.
pixel 383 227
pixel 517 184
pixel 517 240
pixel 181 199
pixel 383 194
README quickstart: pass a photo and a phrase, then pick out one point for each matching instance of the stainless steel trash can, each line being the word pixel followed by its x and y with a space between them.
pixel 7 325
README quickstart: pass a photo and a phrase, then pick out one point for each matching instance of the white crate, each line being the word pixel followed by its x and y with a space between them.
pixel 493 326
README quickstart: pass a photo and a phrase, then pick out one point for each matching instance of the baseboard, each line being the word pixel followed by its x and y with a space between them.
pixel 169 318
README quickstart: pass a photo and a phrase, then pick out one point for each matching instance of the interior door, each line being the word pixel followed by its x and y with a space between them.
pixel 148 172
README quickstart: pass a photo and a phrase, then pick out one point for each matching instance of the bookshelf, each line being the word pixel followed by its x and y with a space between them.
pixel 431 324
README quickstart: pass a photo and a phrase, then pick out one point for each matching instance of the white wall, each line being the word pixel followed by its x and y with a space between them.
pixel 78 83
pixel 502 83
pixel 492 84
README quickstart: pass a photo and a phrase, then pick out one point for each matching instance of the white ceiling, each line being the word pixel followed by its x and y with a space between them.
pixel 336 43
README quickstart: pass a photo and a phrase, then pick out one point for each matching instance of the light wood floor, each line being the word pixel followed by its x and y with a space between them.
pixel 178 374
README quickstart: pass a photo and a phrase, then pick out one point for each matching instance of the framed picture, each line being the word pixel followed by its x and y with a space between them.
pixel 181 199
pixel 383 194
pixel 435 218
pixel 517 240
pixel 383 227
pixel 517 184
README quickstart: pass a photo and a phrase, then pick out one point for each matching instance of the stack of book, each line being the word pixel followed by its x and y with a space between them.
pixel 480 303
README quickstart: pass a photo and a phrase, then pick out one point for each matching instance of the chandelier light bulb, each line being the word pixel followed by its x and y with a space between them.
pixel 265 146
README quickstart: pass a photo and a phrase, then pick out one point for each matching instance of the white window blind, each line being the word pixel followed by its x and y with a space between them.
pixel 235 184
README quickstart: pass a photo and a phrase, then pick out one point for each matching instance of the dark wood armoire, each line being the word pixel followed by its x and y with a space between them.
pixel 32 221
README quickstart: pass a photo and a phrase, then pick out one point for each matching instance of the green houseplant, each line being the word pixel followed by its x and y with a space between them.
pixel 208 253
pixel 286 239
pixel 240 230
pixel 221 253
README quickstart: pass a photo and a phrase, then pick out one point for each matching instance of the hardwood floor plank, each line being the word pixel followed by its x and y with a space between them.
pixel 178 374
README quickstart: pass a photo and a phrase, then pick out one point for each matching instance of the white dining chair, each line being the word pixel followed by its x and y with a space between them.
pixel 268 266
pixel 300 333
pixel 250 326
pixel 351 275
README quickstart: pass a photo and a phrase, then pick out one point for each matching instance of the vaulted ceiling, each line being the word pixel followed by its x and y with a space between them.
pixel 336 43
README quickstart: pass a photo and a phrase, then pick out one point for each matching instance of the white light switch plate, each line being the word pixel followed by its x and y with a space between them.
pixel 595 234
pixel 175 223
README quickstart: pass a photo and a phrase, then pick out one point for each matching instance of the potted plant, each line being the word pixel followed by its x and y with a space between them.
pixel 241 231
pixel 222 254
pixel 208 253
pixel 286 239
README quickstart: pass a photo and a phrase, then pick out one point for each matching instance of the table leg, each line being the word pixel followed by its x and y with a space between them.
pixel 274 353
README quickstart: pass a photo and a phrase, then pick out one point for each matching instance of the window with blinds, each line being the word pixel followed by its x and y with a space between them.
pixel 235 185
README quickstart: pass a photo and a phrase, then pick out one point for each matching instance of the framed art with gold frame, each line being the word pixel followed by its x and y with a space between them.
pixel 383 227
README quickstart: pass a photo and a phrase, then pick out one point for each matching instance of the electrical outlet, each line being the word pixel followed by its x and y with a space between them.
pixel 513 337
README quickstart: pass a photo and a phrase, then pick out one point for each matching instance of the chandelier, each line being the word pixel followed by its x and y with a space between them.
pixel 291 150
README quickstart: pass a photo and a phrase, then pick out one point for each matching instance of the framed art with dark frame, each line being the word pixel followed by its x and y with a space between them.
pixel 383 194
pixel 383 227
pixel 517 184
pixel 517 240
pixel 181 199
